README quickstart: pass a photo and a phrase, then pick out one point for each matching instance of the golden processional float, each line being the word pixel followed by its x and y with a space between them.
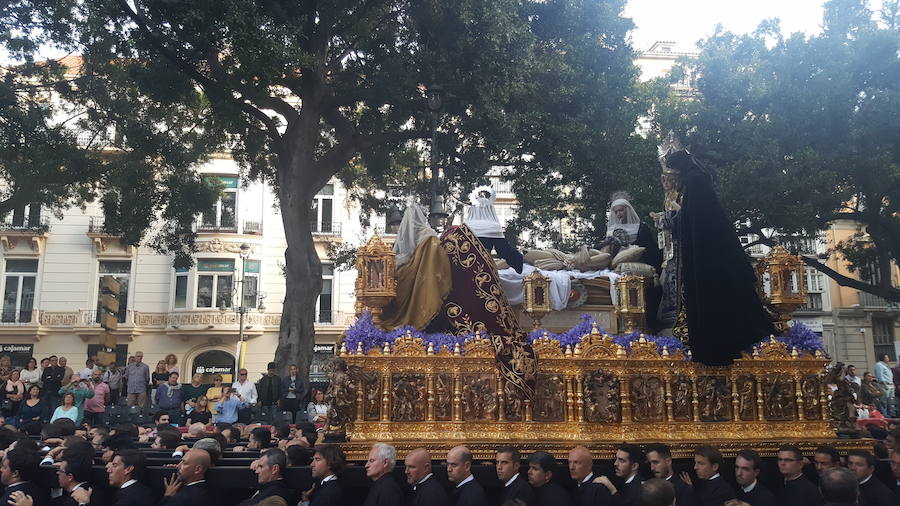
pixel 596 392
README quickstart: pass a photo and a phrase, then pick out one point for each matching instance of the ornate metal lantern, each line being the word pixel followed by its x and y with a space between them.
pixel 630 304
pixel 376 281
pixel 787 284
pixel 537 297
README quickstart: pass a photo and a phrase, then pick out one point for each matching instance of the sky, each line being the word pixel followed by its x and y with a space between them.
pixel 696 19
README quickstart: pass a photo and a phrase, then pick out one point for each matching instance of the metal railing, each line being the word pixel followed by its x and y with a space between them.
pixel 326 227
pixel 253 228
pixel 868 300
pixel 217 228
pixel 813 302
pixel 26 223
pixel 96 225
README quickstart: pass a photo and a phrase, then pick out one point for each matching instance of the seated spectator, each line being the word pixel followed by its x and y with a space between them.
pixel 196 430
pixel 168 394
pixel 19 467
pixel 299 456
pixel 187 487
pixel 115 443
pixel 14 393
pixel 201 412
pixel 32 411
pixel 228 432
pixel 192 391
pixel 269 468
pixel 227 408
pixel 260 439
pixel 214 393
pixel 317 409
pixel 80 391
pixel 167 439
pixel 97 434
pixel 125 470
pixel 68 409
pixel 281 430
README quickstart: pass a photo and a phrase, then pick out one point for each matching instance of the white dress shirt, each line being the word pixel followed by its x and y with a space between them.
pixel 247 389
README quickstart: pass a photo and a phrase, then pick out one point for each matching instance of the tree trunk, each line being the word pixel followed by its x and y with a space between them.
pixel 303 274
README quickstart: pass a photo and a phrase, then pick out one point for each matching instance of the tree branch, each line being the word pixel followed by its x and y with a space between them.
pixel 254 95
pixel 889 293
pixel 339 155
pixel 212 87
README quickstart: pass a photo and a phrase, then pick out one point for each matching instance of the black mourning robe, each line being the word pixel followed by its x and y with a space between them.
pixel 327 494
pixel 190 495
pixel 798 492
pixel 629 494
pixel 429 493
pixel 713 492
pixel 684 494
pixel 519 489
pixel 136 494
pixel 273 488
pixel 592 494
pixel 552 494
pixel 874 492
pixel 470 494
pixel 718 283
pixel 759 496
pixel 505 251
pixel 384 492
pixel 39 495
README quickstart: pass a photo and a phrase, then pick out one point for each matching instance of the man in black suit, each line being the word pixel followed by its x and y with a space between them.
pixel 871 490
pixel 825 457
pixel 468 491
pixel 797 490
pixel 508 463
pixel 628 460
pixel 541 466
pixel 426 491
pixel 581 469
pixel 711 489
pixel 746 473
pixel 895 470
pixel 839 487
pixel 187 487
pixel 73 475
pixel 659 456
pixel 384 491
pixel 20 466
pixel 124 470
pixel 328 462
pixel 268 468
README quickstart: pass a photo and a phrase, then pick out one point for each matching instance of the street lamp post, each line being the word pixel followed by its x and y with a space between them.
pixel 242 309
pixel 437 214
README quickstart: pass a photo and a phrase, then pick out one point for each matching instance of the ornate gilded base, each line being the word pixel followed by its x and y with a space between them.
pixel 598 394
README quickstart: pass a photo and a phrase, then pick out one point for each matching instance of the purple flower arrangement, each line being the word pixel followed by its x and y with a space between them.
pixel 364 331
pixel 802 338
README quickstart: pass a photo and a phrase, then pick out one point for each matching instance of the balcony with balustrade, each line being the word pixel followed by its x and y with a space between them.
pixel 325 230
pixel 26 231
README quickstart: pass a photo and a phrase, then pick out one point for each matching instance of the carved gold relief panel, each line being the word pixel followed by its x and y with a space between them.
pixel 714 398
pixel 550 398
pixel 408 397
pixel 443 396
pixel 682 398
pixel 778 397
pixel 647 399
pixel 601 398
pixel 479 397
pixel 746 392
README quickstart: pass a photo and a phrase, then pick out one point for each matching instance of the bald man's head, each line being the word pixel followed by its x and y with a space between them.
pixel 459 464
pixel 193 466
pixel 418 465
pixel 580 463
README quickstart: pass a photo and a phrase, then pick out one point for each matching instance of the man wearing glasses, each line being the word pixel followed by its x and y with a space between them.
pixel 246 391
pixel 797 489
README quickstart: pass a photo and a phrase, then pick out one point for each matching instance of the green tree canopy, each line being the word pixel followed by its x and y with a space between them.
pixel 802 131
pixel 300 92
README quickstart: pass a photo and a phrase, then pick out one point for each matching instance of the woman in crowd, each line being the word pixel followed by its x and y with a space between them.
pixel 31 375
pixel 5 367
pixel 159 377
pixel 214 393
pixel 14 392
pixel 201 412
pixel 171 363
pixel 67 410
pixel 317 410
pixel 32 411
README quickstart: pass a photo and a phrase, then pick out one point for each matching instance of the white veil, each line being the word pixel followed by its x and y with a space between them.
pixel 481 217
pixel 413 230
pixel 630 224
